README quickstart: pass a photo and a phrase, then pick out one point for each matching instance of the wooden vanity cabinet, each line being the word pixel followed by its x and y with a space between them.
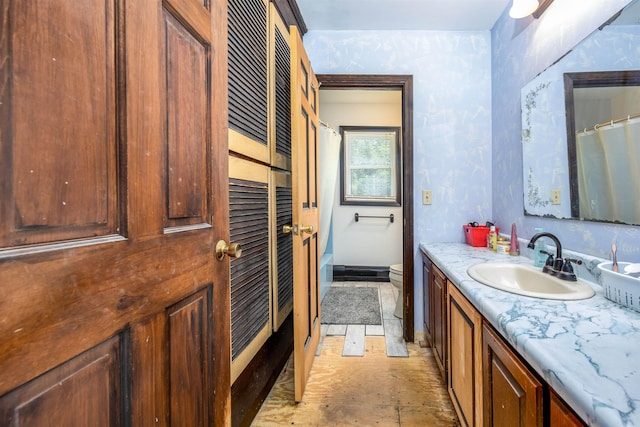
pixel 464 357
pixel 488 382
pixel 438 313
pixel 512 394
pixel 426 299
pixel 560 415
pixel 434 288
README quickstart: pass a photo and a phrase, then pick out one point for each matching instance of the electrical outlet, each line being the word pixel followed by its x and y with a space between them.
pixel 426 197
pixel 555 197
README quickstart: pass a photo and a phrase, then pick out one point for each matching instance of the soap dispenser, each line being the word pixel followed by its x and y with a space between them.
pixel 539 255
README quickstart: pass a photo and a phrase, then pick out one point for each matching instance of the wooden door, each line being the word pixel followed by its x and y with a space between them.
pixel 439 316
pixel 306 215
pixel 464 357
pixel 113 194
pixel 513 396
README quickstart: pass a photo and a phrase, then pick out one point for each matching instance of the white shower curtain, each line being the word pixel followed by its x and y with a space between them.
pixel 329 159
pixel 608 175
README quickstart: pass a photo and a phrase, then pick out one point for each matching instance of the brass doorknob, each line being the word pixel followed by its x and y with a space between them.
pixel 234 250
pixel 306 229
pixel 287 229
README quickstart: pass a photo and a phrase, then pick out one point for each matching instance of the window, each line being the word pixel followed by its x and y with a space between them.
pixel 370 166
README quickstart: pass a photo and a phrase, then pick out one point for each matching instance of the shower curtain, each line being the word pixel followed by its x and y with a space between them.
pixel 329 159
pixel 608 175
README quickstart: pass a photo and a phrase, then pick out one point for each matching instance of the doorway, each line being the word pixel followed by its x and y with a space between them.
pixel 404 84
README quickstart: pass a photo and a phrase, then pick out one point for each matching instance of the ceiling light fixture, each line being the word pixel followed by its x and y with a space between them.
pixel 522 8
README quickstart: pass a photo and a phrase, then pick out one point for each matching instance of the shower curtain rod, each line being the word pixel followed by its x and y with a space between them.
pixel 610 122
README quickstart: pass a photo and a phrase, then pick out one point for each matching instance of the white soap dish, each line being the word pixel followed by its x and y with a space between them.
pixel 620 288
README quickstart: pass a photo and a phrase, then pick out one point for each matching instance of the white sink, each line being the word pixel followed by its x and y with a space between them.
pixel 528 280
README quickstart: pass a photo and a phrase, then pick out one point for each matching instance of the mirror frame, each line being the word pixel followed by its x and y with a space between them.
pixel 587 79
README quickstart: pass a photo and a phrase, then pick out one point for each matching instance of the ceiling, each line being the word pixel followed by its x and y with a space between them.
pixel 439 15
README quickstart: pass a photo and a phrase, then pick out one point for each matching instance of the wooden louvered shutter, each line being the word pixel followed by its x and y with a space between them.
pixel 282 258
pixel 281 89
pixel 250 284
pixel 248 82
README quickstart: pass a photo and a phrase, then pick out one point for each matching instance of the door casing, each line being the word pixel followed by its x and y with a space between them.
pixel 403 83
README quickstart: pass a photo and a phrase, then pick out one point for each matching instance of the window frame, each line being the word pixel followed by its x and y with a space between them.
pixel 396 166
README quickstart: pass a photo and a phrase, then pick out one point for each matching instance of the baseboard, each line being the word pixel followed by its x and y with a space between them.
pixel 359 273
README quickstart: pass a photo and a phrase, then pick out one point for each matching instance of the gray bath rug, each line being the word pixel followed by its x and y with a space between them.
pixel 351 306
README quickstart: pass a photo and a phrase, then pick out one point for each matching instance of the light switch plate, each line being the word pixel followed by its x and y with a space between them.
pixel 426 197
pixel 555 197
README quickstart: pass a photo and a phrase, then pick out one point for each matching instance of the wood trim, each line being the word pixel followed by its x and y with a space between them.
pixel 544 4
pixel 405 84
pixel 290 14
pixel 219 149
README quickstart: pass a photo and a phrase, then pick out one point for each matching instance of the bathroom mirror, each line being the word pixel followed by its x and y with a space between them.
pixel 552 185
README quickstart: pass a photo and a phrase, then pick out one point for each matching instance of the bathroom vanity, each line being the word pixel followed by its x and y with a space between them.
pixel 517 360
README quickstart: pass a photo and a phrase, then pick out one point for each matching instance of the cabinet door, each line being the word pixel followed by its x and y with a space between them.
pixel 438 314
pixel 426 299
pixel 560 415
pixel 513 396
pixel 464 357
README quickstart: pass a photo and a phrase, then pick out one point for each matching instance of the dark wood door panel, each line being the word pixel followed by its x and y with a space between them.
pixel 85 391
pixel 58 121
pixel 189 350
pixel 59 304
pixel 188 114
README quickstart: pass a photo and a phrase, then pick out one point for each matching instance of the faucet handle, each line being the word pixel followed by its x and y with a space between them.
pixel 567 269
pixel 549 263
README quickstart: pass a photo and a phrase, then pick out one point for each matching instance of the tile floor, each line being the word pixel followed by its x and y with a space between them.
pixel 371 390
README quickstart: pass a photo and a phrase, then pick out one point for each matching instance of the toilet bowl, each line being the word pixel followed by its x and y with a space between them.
pixel 395 277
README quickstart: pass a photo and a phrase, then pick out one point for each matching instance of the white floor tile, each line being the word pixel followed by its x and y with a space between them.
pixel 354 341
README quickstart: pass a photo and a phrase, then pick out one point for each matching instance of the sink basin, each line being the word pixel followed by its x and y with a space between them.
pixel 528 280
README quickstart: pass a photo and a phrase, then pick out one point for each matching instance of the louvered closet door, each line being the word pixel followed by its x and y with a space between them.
pixel 248 79
pixel 250 284
pixel 280 78
pixel 282 246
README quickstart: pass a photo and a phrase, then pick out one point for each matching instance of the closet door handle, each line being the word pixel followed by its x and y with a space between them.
pixel 306 229
pixel 287 229
pixel 234 250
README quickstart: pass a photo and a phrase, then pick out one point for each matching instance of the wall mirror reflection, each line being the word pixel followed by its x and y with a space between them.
pixel 551 122
pixel 603 141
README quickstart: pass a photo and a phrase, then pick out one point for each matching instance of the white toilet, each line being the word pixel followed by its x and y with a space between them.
pixel 395 277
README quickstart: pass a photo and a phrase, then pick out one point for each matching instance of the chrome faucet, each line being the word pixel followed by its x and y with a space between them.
pixel 558 267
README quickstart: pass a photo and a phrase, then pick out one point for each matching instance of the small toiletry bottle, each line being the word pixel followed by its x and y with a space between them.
pixel 539 258
pixel 503 246
pixel 493 238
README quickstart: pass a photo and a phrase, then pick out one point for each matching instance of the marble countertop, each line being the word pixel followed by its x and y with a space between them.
pixel 588 351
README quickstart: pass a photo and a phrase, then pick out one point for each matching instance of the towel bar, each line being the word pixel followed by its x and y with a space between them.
pixel 357 217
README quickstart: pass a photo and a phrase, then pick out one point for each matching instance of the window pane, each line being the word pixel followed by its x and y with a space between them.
pixel 371 182
pixel 370 166
pixel 368 151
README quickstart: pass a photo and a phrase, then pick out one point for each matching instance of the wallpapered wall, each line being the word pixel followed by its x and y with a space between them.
pixel 467 118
